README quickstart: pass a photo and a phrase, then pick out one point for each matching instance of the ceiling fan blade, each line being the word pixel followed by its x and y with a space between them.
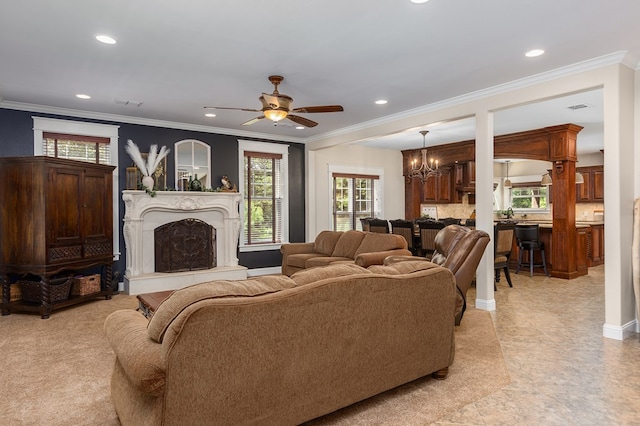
pixel 271 100
pixel 236 109
pixel 301 120
pixel 253 120
pixel 323 108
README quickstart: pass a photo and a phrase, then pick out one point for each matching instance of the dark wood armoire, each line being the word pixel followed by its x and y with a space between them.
pixel 56 222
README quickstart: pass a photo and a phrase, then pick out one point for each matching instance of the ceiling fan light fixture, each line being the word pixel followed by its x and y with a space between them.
pixel 275 114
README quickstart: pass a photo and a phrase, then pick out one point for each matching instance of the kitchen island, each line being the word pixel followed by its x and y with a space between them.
pixel 588 249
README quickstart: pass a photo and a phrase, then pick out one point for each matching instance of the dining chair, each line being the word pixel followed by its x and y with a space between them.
pixel 503 233
pixel 364 221
pixel 379 225
pixel 528 238
pixel 405 229
pixel 428 231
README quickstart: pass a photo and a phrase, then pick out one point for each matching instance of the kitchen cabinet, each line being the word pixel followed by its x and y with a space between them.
pixel 438 189
pixel 464 181
pixel 592 190
pixel 57 220
pixel 596 245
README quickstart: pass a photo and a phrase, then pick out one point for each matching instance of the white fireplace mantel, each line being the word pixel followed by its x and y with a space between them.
pixel 144 213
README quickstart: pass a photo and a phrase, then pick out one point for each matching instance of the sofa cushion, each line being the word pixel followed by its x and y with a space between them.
pixel 402 267
pixel 326 260
pixel 300 260
pixel 373 242
pixel 348 244
pixel 182 298
pixel 331 271
pixel 326 242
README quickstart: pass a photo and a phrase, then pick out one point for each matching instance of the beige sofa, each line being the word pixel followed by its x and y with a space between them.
pixel 276 350
pixel 362 248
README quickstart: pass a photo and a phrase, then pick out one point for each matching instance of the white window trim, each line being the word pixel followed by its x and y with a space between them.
pixel 42 125
pixel 193 142
pixel 334 168
pixel 270 148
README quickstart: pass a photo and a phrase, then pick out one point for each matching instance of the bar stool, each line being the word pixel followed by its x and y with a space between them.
pixel 528 238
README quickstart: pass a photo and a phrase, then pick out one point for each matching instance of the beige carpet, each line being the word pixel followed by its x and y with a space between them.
pixel 56 372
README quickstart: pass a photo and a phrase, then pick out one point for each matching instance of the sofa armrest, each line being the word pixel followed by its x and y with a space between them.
pixel 139 356
pixel 377 258
pixel 296 248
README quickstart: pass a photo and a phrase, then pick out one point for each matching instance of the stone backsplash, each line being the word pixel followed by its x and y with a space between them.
pixel 585 212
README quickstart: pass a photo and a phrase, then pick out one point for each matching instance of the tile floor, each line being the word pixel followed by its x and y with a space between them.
pixel 563 371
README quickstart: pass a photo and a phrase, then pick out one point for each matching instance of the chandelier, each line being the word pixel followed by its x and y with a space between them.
pixel 425 169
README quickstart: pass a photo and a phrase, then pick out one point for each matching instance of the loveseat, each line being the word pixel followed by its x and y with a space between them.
pixel 362 248
pixel 278 350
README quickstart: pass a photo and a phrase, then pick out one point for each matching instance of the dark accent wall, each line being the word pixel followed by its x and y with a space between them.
pixel 16 140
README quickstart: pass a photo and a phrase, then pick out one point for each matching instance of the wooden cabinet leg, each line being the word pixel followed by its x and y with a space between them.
pixel 6 297
pixel 45 298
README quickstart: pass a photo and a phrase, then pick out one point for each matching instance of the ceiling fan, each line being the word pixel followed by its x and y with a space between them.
pixel 277 106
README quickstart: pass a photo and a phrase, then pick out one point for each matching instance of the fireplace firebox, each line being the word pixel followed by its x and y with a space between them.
pixel 185 245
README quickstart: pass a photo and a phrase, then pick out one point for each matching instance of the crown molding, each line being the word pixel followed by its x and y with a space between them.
pixel 620 57
pixel 142 121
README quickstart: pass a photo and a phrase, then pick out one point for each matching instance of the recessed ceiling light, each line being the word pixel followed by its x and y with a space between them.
pixel 381 102
pixel 106 39
pixel 83 96
pixel 209 114
pixel 300 127
pixel 419 1
pixel 533 53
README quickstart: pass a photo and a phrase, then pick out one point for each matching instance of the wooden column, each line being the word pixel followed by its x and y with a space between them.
pixel 562 150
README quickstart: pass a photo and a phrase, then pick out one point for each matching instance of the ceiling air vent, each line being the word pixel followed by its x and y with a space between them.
pixel 128 103
pixel 578 106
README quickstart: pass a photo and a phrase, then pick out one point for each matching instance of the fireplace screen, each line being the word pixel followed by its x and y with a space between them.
pixel 185 245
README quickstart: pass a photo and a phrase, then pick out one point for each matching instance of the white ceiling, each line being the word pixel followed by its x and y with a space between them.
pixel 175 58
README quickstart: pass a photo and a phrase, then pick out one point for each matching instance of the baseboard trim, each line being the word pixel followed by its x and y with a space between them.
pixel 486 305
pixel 620 332
pixel 264 271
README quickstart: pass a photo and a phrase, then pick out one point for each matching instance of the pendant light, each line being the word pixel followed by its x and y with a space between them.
pixel 546 180
pixel 507 182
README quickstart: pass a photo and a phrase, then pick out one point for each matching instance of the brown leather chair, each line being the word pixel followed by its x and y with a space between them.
pixel 458 249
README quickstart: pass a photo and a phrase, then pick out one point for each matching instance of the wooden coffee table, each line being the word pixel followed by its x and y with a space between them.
pixel 149 302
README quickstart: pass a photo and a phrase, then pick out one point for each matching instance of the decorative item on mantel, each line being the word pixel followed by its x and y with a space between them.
pixel 147 169
pixel 227 186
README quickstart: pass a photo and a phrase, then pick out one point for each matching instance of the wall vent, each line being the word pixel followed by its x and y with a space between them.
pixel 578 106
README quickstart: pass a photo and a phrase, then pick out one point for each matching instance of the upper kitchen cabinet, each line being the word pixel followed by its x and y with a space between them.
pixel 592 190
pixel 437 189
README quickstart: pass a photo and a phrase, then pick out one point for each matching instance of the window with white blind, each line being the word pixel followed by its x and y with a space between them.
pixel 91 149
pixel 264 186
pixel 529 196
pixel 355 197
